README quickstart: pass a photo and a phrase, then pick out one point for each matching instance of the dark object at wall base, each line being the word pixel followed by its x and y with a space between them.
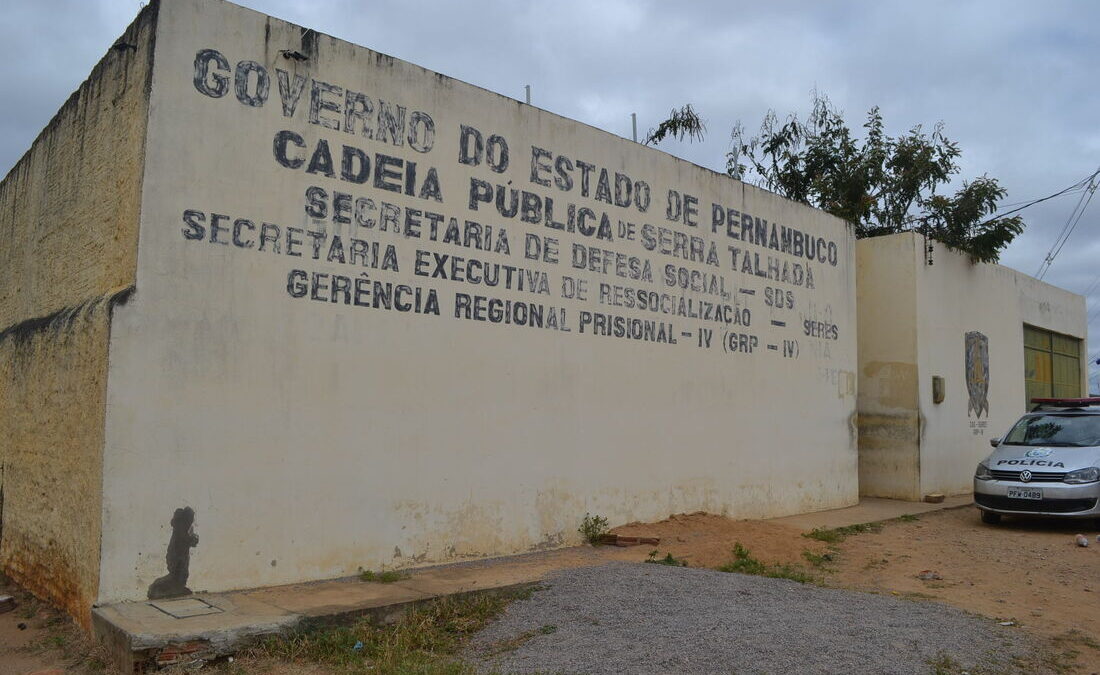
pixel 178 557
pixel 620 540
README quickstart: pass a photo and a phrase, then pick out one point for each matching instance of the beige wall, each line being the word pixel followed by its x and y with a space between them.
pixel 52 391
pixel 919 314
pixel 68 220
pixel 312 437
pixel 69 207
pixel 889 413
pixel 956 297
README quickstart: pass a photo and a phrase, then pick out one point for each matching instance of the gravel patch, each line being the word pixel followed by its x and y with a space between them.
pixel 636 618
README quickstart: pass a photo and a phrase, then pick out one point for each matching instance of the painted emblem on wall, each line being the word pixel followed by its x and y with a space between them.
pixel 977 373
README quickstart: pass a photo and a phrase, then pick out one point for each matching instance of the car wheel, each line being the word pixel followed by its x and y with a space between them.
pixel 990 518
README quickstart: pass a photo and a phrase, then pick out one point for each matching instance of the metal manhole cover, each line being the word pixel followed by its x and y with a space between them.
pixel 187 607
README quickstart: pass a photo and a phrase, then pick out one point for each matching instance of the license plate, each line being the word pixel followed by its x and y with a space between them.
pixel 1021 493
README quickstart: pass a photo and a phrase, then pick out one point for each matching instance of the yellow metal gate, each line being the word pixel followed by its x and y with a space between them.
pixel 1052 364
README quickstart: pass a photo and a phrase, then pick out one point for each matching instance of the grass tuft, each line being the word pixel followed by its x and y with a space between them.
pixel 744 563
pixel 836 535
pixel 667 560
pixel 512 644
pixel 945 665
pixel 425 640
pixel 383 577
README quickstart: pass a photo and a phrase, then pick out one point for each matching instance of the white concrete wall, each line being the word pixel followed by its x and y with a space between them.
pixel 954 297
pixel 313 437
pixel 913 322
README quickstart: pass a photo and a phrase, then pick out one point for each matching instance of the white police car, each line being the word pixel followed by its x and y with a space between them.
pixel 1048 464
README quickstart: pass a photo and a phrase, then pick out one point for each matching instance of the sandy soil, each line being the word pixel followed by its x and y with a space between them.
pixel 48 642
pixel 1030 572
pixel 705 540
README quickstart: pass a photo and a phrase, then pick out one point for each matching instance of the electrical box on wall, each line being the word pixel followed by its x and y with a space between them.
pixel 937 389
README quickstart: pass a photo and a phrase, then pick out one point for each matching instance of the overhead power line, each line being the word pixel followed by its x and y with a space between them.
pixel 1092 286
pixel 1071 191
pixel 1067 229
pixel 1081 184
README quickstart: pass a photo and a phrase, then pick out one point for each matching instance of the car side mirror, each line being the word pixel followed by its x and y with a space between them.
pixel 994 442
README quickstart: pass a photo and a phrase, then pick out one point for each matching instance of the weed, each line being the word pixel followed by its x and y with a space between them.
pixel 524 593
pixel 744 563
pixel 29 609
pixel 838 534
pixel 514 643
pixel 383 577
pixel 945 665
pixel 994 663
pixel 667 560
pixel 1067 649
pixel 1075 637
pixel 64 639
pixel 592 528
pixel 426 639
pixel 908 518
pixel 817 559
pixel 56 641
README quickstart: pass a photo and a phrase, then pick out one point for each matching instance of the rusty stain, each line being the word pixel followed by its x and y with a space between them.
pixel 52 409
pixel 51 575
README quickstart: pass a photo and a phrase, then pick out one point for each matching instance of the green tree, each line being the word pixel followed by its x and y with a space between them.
pixel 881 184
pixel 680 123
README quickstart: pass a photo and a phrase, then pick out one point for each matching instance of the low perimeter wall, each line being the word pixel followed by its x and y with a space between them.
pixel 385 318
pixel 957 322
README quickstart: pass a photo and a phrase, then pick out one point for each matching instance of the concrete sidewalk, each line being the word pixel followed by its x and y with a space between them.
pixel 206 626
pixel 870 510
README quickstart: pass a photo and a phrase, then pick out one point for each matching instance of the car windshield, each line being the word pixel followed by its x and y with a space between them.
pixel 1063 430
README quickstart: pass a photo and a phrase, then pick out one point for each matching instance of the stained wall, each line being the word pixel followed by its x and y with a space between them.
pixel 68 248
pixel 957 297
pixel 387 318
pixel 889 410
pixel 916 308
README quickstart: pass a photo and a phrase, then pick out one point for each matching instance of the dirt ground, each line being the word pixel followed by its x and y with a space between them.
pixel 35 638
pixel 705 540
pixel 1028 572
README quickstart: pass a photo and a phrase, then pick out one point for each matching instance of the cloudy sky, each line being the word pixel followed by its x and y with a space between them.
pixel 1014 82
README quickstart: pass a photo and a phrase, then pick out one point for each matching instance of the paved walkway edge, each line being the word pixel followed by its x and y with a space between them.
pixel 140 636
pixel 140 652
